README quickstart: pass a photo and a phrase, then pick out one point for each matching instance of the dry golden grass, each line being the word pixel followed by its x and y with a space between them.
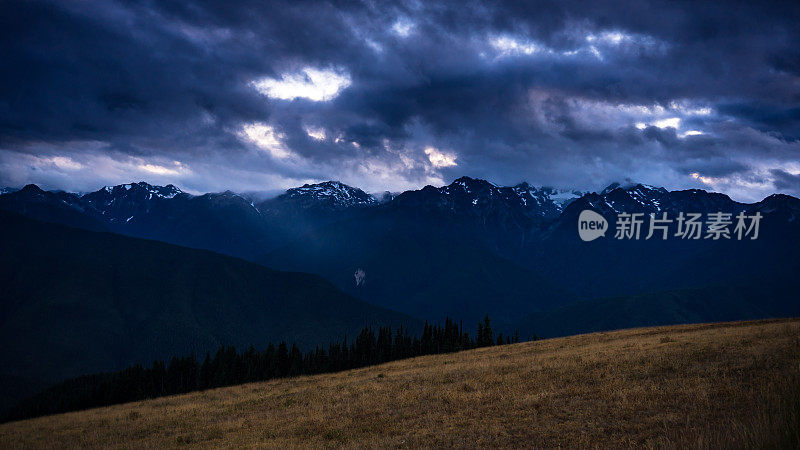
pixel 716 385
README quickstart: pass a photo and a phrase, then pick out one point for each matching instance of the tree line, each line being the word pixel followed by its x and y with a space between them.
pixel 227 366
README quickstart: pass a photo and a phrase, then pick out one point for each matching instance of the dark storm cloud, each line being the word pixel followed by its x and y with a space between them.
pixel 785 180
pixel 782 118
pixel 572 94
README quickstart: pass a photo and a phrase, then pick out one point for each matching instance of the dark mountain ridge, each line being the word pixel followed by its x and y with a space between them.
pixel 76 302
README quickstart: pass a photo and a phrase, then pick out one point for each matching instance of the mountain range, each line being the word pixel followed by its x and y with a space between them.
pixel 470 247
pixel 86 288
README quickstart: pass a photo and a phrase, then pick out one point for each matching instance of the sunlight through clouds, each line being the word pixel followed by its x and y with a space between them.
pixel 162 170
pixel 440 159
pixel 316 133
pixel 672 122
pixel 66 163
pixel 507 45
pixel 266 138
pixel 702 179
pixel 313 84
pixel 403 28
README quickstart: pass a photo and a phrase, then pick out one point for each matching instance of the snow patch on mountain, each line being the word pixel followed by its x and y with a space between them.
pixel 332 194
pixel 108 194
pixel 545 197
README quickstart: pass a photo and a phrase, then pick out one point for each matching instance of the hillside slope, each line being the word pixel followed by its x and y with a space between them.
pixel 709 385
pixel 775 296
pixel 76 302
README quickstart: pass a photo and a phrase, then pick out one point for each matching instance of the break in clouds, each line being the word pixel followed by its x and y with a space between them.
pixel 261 96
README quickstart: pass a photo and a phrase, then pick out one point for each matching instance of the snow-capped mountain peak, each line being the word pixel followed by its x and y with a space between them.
pixel 611 187
pixel 635 189
pixel 469 185
pixel 329 194
pixel 124 202
pixel 545 195
pixel 476 197
pixel 633 197
pixel 138 189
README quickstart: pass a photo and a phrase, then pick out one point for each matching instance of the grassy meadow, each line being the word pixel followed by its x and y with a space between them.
pixel 707 386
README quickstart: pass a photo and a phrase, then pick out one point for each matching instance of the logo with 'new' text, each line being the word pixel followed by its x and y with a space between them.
pixel 591 225
pixel 689 226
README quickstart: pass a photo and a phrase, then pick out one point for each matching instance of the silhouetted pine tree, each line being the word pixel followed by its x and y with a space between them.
pixel 282 360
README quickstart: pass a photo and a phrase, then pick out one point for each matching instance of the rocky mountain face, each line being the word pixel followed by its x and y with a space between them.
pixel 327 196
pixel 124 202
pixel 469 197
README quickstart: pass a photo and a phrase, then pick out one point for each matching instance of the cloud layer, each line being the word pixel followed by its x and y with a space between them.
pixel 263 96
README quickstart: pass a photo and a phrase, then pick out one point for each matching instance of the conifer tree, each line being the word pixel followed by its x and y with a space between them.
pixel 227 366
